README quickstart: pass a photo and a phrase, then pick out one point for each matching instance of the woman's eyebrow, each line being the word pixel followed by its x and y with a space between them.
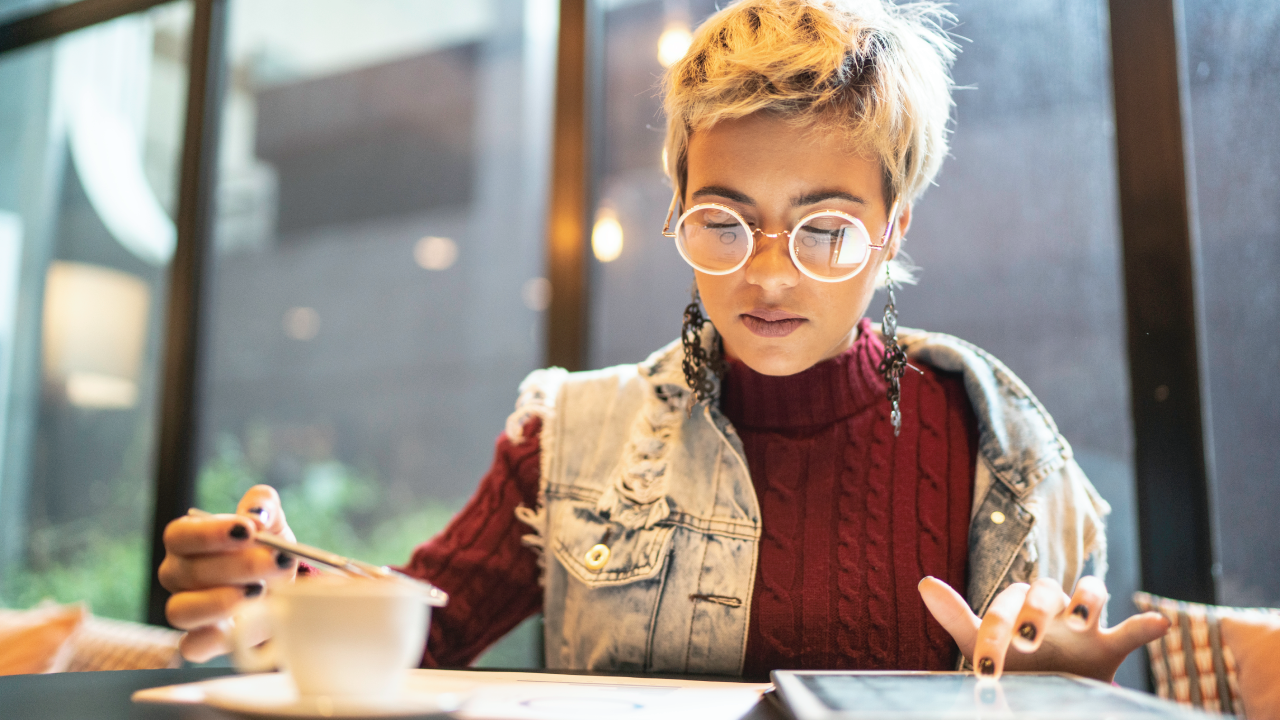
pixel 820 195
pixel 724 192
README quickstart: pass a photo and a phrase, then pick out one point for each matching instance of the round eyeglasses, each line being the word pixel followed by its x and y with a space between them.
pixel 828 245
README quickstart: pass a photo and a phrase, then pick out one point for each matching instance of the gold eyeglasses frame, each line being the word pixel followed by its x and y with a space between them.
pixel 667 231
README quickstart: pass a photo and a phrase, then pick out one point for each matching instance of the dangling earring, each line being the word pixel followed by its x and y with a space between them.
pixel 894 363
pixel 702 370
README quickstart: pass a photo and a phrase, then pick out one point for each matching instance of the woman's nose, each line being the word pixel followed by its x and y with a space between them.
pixel 770 267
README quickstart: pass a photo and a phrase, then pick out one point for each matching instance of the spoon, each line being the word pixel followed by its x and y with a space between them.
pixel 433 595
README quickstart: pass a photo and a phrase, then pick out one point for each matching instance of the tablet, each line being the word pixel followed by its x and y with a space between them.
pixel 836 695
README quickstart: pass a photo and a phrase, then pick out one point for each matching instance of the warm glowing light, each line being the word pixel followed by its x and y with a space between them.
pixel 673 44
pixel 606 236
pixel 301 323
pixel 95 390
pixel 435 253
pixel 95 332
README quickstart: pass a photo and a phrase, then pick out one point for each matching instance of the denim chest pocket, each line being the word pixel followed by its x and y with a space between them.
pixel 601 553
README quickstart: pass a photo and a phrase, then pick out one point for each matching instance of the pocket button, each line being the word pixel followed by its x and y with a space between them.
pixel 597 557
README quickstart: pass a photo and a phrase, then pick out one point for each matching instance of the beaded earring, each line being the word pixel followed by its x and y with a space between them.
pixel 894 363
pixel 703 369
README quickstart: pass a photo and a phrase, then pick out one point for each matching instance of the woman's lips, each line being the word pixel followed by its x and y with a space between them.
pixel 772 323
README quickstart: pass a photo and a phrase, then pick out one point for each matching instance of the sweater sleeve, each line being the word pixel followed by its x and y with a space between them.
pixel 479 559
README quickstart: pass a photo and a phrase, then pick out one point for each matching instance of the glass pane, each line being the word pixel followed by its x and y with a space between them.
pixel 1019 243
pixel 376 294
pixel 90 141
pixel 1234 74
pixel 638 296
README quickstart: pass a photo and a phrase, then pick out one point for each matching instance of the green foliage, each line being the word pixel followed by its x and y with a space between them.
pixel 332 506
pixel 101 560
pixel 104 560
pixel 111 575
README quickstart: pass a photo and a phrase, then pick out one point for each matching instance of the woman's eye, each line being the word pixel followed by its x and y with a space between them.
pixel 812 237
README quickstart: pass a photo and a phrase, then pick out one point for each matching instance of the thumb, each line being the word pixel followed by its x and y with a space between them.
pixel 1137 631
pixel 262 503
pixel 952 613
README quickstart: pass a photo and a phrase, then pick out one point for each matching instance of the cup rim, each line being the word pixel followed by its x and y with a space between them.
pixel 335 586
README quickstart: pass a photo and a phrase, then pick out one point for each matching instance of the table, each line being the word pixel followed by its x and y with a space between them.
pixel 98 695
pixel 105 696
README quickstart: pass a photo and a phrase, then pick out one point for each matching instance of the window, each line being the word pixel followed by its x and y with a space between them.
pixel 376 289
pixel 90 137
pixel 1234 76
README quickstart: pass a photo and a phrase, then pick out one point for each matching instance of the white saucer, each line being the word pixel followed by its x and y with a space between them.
pixel 273 695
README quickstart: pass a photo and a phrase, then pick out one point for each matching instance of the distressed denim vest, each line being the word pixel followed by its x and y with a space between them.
pixel 648 522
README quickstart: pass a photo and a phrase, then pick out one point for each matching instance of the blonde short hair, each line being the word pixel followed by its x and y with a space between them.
pixel 875 71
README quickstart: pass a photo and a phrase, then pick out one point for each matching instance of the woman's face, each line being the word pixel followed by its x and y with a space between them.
pixel 771 316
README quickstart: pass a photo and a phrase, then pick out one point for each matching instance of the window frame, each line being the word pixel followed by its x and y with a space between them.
pixel 1161 264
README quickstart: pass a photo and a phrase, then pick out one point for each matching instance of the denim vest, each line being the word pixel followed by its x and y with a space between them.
pixel 648 522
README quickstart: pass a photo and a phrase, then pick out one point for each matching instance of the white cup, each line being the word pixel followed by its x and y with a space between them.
pixel 338 637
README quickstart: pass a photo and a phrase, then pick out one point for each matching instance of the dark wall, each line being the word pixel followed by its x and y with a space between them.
pixel 378 141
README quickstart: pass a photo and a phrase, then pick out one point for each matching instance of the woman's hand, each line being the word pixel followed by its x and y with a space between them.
pixel 211 565
pixel 1047 630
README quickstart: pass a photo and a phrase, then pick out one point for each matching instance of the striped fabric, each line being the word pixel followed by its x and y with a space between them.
pixel 1190 664
pixel 103 644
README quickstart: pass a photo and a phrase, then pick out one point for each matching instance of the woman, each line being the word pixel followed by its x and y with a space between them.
pixel 785 486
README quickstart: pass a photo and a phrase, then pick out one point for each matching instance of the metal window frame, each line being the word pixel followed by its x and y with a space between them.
pixel 47 25
pixel 1172 462
pixel 1173 467
pixel 177 464
pixel 574 167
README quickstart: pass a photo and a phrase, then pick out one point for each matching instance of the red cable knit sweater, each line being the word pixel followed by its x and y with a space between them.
pixel 853 519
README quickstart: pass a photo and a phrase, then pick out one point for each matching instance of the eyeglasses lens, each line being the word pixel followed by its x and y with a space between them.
pixel 831 246
pixel 713 240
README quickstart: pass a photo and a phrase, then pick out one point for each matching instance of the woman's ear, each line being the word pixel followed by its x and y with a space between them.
pixel 903 222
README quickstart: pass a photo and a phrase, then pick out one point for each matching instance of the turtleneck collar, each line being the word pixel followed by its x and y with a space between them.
pixel 832 390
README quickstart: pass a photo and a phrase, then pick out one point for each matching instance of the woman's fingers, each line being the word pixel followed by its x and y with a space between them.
pixel 206 643
pixel 197 608
pixel 1044 601
pixel 1136 631
pixel 192 535
pixel 1086 604
pixel 178 573
pixel 997 629
pixel 951 611
pixel 262 503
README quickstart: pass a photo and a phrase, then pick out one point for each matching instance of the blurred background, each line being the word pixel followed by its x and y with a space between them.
pixel 375 284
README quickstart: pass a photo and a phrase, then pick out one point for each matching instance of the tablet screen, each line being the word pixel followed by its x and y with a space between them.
pixel 943 695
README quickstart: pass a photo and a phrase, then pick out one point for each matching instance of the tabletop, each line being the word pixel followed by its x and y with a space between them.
pixel 105 696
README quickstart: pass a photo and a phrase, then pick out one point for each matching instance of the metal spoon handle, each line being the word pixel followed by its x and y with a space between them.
pixel 433 595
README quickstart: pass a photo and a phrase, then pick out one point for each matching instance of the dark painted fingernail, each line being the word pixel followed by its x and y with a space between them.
pixel 239 532
pixel 254 589
pixel 1028 632
pixel 987 666
pixel 284 560
pixel 1081 611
